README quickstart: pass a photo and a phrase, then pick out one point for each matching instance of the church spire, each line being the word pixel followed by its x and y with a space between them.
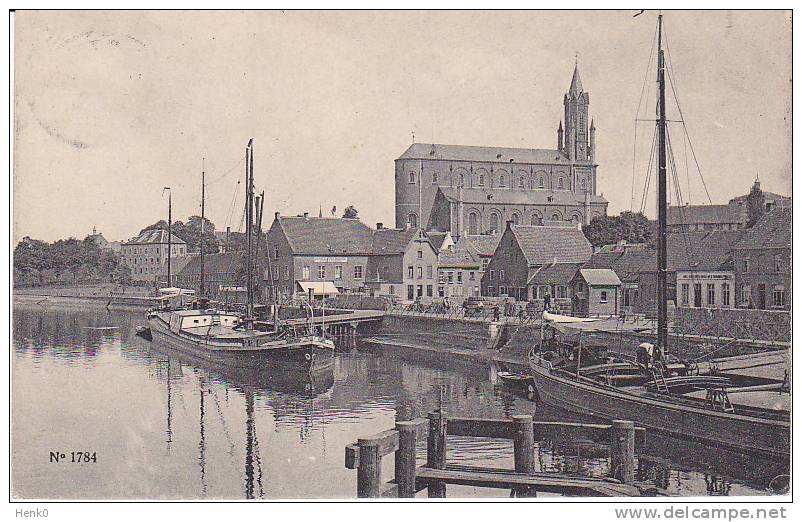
pixel 576 82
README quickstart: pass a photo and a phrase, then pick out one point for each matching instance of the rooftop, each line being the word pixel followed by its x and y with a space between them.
pixel 392 240
pixel 436 151
pixel 326 235
pixel 550 244
pixel 773 230
pixel 157 236
pixel 600 277
pixel 555 273
pixel 701 214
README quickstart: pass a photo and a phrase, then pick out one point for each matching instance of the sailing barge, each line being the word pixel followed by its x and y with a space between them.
pixel 659 392
pixel 231 338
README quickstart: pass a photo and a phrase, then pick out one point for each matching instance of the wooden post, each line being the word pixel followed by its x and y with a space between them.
pixel 436 450
pixel 524 449
pixel 405 463
pixel 622 451
pixel 368 477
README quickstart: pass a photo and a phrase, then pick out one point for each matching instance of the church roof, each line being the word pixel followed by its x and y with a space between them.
pixel 552 244
pixel 483 154
pixel 518 197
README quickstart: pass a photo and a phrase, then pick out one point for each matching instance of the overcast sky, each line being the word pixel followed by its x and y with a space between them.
pixel 111 107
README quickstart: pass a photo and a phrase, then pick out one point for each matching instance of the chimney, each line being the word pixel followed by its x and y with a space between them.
pixel 379 226
pixel 277 214
pixel 306 216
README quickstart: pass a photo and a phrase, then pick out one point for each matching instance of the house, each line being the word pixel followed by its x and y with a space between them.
pixel 483 246
pixel 403 263
pixel 732 216
pixel 146 255
pixel 459 271
pixel 700 272
pixel 309 249
pixel 627 262
pixel 221 273
pixel 596 292
pixel 532 261
pixel 762 262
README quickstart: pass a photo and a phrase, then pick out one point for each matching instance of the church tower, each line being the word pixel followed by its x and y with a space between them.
pixel 576 102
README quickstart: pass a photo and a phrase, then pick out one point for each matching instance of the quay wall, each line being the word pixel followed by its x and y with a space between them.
pixel 436 331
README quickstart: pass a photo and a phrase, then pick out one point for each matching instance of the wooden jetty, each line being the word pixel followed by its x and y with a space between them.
pixel 365 456
pixel 339 323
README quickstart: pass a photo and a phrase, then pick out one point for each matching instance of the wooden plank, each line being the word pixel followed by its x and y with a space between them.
pixel 544 482
pixel 352 456
pixel 567 430
pixel 490 428
pixel 387 441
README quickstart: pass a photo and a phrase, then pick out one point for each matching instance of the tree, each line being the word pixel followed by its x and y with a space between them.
pixel 633 227
pixel 351 212
pixel 755 205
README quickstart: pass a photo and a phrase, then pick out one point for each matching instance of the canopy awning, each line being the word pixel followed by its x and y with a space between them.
pixel 319 288
pixel 567 324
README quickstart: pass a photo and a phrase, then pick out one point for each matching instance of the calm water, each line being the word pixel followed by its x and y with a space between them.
pixel 164 427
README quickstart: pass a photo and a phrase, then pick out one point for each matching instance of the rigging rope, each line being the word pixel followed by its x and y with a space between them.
pixel 637 115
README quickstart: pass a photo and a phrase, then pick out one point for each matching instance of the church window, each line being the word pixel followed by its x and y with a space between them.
pixel 516 219
pixel 494 222
pixel 481 180
pixel 541 182
pixel 556 217
pixel 473 223
pixel 412 219
pixel 521 183
pixel 461 180
pixel 536 220
pixel 412 177
pixel 560 183
pixel 582 183
pixel 434 177
pixel 501 180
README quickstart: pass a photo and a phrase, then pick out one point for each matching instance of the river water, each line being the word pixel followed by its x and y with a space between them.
pixel 162 427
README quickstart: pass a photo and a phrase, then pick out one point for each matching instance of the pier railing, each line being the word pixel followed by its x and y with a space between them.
pixel 366 455
pixel 518 316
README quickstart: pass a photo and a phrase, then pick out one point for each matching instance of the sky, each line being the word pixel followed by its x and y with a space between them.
pixel 110 107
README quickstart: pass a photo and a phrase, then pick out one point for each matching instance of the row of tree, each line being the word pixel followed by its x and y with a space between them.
pixel 66 260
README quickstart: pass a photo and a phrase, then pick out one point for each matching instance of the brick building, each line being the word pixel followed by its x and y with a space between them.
pixel 403 263
pixel 477 189
pixel 762 262
pixel 146 255
pixel 524 253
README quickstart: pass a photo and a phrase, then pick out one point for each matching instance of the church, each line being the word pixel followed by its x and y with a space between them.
pixel 475 189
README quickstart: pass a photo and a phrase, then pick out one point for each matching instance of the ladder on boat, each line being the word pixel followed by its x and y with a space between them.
pixel 659 379
pixel 718 399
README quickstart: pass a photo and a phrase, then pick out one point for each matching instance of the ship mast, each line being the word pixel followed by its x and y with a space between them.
pixel 249 231
pixel 169 233
pixel 203 220
pixel 662 210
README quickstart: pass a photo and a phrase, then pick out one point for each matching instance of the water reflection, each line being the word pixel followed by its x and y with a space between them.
pixel 169 425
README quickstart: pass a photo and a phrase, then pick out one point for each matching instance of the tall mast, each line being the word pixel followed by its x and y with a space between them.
pixel 662 204
pixel 249 225
pixel 203 220
pixel 169 234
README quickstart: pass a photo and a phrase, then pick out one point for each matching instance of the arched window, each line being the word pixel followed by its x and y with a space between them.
pixel 412 177
pixel 481 180
pixel 582 183
pixel 541 182
pixel 473 223
pixel 536 220
pixel 575 219
pixel 556 217
pixel 501 180
pixel 560 183
pixel 516 219
pixel 522 182
pixel 461 180
pixel 412 219
pixel 494 222
pixel 434 177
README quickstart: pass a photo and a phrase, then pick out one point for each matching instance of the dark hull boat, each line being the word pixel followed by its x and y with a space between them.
pixel 768 434
pixel 235 348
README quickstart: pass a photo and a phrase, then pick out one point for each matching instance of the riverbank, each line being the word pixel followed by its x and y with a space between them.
pixel 112 303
